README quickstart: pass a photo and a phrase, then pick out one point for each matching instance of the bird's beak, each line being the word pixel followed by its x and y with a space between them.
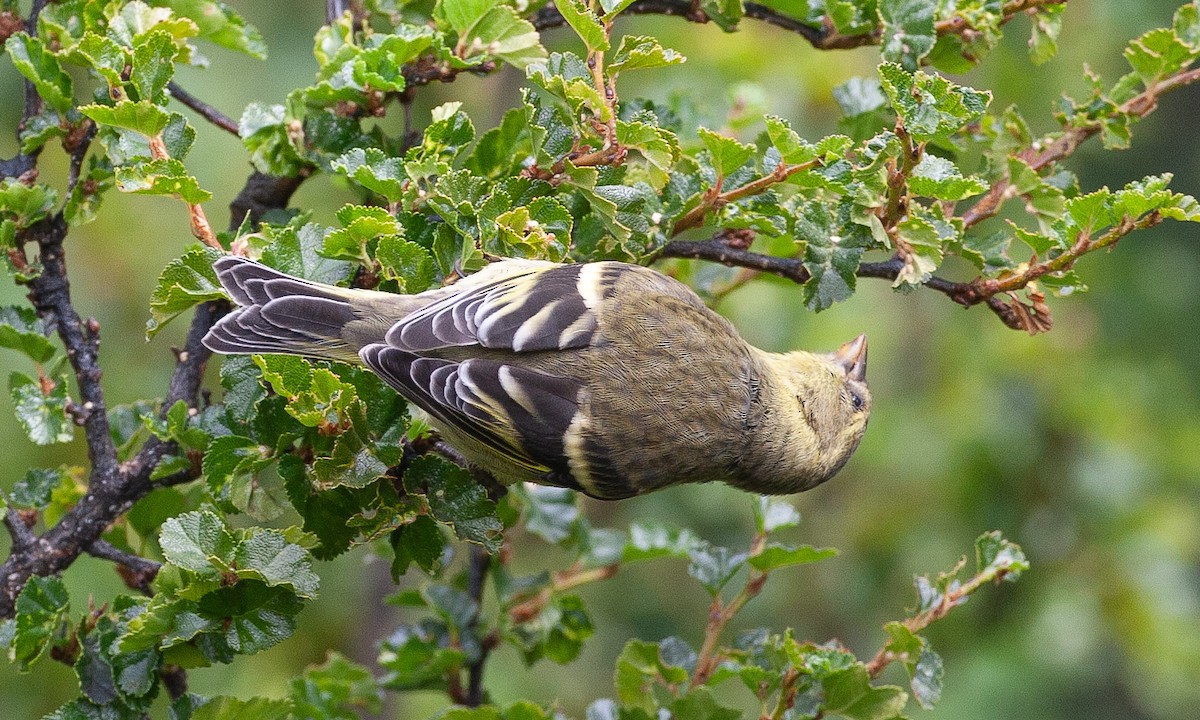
pixel 852 358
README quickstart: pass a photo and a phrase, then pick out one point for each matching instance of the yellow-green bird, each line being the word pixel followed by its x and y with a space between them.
pixel 608 378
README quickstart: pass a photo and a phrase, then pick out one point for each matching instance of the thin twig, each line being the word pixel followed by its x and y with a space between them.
pixel 22 536
pixel 136 571
pixel 203 109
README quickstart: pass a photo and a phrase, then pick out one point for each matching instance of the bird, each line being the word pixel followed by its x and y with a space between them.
pixel 608 378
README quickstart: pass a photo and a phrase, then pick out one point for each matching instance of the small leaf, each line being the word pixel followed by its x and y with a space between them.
pixel 153 65
pixel 161 177
pixel 34 489
pixel 639 52
pixel 908 31
pixel 22 330
pixel 584 22
pixel 714 566
pixel 776 556
pixel 198 541
pixel 374 170
pixel 185 282
pixel 267 556
pixel 40 609
pixel 41 409
pixel 41 67
pixel 727 154
pixel 143 116
pixel 223 707
pixel 772 513
pixel 940 179
pixel 456 499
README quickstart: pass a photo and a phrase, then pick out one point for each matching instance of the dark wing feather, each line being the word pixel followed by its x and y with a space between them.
pixel 541 308
pixel 486 400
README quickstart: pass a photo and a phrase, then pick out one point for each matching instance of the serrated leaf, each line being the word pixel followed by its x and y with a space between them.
pixel 103 54
pixel 772 513
pixel 25 204
pixel 941 179
pixel 647 542
pixel 550 513
pixel 409 264
pixel 161 177
pixel 267 556
pixel 456 500
pixel 997 557
pixel 1158 53
pixel 40 609
pixel 218 23
pixel 184 282
pixel 775 556
pixel 223 707
pixel 714 566
pixel 198 541
pixel 420 542
pixel 41 409
pixel 42 68
pixel 153 65
pixel 34 489
pixel 929 105
pixel 22 330
pixel 641 52
pixel 924 250
pixel 142 116
pixel 727 154
pixel 832 252
pixel 374 170
pixel 849 693
pixel 908 31
pixel 298 252
pixel 584 22
pixel 1043 39
pixel 336 689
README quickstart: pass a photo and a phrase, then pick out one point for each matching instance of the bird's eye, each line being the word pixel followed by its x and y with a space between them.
pixel 856 400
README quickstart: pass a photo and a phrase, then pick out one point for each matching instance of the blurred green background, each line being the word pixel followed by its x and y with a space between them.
pixel 1082 445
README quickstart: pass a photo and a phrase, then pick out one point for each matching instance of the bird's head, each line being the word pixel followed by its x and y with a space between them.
pixel 825 408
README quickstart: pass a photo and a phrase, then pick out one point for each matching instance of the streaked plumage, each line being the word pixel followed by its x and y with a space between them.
pixel 605 377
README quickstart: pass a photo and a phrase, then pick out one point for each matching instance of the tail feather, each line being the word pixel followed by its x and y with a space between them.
pixel 280 314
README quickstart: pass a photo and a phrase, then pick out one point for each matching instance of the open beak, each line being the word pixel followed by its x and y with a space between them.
pixel 852 358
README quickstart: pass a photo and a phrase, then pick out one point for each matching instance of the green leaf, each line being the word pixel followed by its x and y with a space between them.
pixel 267 556
pixel 584 22
pixel 924 254
pixel 40 609
pixel 42 68
pixel 415 660
pixel 184 282
pixel 35 488
pixel 456 500
pixel 550 513
pixel 22 330
pixel 84 201
pixel 699 704
pixel 1157 54
pixel 153 65
pixel 725 13
pixel 218 23
pixel 999 558
pixel 198 541
pixel 772 513
pixel 776 556
pixel 25 204
pixel 486 29
pixel 714 566
pixel 161 177
pixel 223 707
pixel 420 542
pixel 656 541
pixel 940 179
pixel 409 264
pixel 727 154
pixel 641 52
pixel 792 150
pixel 832 252
pixel 298 252
pixel 908 32
pixel 849 693
pixel 104 55
pixel 930 106
pixel 41 411
pixel 230 456
pixel 658 148
pixel 337 689
pixel 142 116
pixel 375 171
pixel 1043 40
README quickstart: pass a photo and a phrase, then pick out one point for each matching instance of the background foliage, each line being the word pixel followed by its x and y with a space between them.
pixel 1079 443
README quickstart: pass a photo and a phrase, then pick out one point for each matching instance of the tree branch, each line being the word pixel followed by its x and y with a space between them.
pixel 136 571
pixel 480 561
pixel 203 109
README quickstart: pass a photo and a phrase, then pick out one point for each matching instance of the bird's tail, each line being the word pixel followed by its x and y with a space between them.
pixel 283 314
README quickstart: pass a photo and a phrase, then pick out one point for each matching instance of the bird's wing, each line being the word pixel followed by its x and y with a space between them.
pixel 522 414
pixel 546 307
